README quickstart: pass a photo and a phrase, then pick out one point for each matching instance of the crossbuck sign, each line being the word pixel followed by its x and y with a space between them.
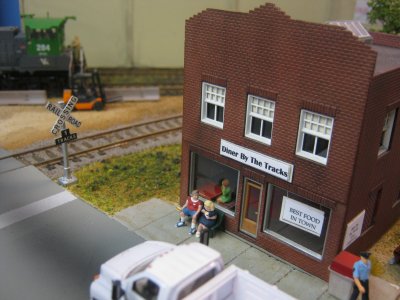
pixel 64 115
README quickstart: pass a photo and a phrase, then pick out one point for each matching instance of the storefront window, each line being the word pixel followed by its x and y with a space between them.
pixel 214 181
pixel 296 221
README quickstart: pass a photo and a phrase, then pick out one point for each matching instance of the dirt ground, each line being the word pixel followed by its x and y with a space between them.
pixel 24 125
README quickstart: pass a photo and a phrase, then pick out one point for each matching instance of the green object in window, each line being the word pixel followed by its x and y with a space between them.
pixel 226 192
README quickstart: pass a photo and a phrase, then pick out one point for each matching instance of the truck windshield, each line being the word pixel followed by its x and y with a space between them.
pixel 146 288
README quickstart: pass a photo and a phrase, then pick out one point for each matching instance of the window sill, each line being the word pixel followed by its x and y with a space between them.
pixel 258 139
pixel 382 152
pixel 224 210
pixel 294 245
pixel 212 123
pixel 313 158
pixel 397 203
pixel 219 207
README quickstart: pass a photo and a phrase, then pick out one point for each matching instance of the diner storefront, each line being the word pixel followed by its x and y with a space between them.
pixel 260 205
pixel 308 156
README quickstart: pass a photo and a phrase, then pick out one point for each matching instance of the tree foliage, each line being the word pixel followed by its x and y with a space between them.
pixel 387 12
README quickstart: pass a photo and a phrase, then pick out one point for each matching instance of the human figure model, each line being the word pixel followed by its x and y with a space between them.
pixel 361 271
pixel 208 217
pixel 396 256
pixel 226 192
pixel 191 208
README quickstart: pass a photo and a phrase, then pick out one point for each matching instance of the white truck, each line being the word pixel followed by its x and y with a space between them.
pixel 236 284
pixel 158 270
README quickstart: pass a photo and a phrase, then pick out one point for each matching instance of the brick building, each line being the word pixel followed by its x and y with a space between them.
pixel 302 119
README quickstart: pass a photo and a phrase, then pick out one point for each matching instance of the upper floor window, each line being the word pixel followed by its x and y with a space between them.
pixel 259 119
pixel 397 200
pixel 387 130
pixel 212 104
pixel 314 136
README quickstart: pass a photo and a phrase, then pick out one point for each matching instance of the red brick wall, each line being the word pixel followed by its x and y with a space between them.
pixel 385 39
pixel 299 65
pixel 373 172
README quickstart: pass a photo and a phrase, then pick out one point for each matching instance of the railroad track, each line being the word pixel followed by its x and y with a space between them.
pixel 170 81
pixel 103 145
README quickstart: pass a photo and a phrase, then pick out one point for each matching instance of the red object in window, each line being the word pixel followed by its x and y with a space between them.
pixel 210 191
pixel 343 263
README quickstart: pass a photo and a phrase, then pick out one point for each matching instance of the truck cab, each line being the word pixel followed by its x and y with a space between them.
pixel 171 274
pixel 175 274
pixel 123 265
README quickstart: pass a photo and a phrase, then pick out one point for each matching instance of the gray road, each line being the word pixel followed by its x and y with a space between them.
pixel 51 244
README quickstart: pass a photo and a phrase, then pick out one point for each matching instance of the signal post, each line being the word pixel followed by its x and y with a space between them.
pixel 64 115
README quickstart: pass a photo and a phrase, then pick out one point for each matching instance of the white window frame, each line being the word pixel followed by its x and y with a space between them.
pixel 317 120
pixel 265 112
pixel 387 132
pixel 287 240
pixel 213 95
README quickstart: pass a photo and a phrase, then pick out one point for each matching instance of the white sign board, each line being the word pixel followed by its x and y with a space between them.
pixel 302 216
pixel 257 160
pixel 63 115
pixel 353 230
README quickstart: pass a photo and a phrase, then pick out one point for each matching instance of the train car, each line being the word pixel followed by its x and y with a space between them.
pixel 36 58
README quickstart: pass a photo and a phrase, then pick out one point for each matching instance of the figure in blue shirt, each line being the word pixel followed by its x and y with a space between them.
pixel 361 271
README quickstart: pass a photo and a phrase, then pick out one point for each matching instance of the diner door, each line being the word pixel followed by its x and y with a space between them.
pixel 250 207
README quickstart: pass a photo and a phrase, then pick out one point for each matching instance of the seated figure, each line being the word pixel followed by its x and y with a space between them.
pixel 208 217
pixel 191 208
pixel 226 195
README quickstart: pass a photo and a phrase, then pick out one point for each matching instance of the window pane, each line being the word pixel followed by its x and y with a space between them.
pixel 294 234
pixel 387 131
pixel 255 126
pixel 381 144
pixel 308 143
pixel 210 111
pixel 220 114
pixel 267 129
pixel 207 176
pixel 322 147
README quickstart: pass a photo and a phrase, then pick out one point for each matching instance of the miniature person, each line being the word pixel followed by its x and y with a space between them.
pixel 361 272
pixel 226 192
pixel 396 256
pixel 208 217
pixel 191 208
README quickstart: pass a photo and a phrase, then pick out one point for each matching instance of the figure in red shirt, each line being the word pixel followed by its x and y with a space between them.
pixel 191 209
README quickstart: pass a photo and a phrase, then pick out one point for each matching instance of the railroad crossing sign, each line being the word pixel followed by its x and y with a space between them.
pixel 63 114
pixel 66 137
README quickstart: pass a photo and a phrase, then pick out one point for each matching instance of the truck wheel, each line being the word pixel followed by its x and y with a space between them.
pixel 98 106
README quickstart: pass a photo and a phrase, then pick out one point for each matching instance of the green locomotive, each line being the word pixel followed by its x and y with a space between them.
pixel 37 58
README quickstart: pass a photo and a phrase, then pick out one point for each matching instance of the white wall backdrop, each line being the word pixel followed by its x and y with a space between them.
pixel 150 33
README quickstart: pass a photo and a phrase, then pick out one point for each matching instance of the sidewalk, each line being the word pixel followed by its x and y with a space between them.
pixel 155 220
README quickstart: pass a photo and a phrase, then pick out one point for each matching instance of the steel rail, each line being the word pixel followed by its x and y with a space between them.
pixel 18 154
pixel 109 146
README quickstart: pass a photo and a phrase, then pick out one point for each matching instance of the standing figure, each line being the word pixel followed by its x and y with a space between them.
pixel 191 209
pixel 361 272
pixel 226 192
pixel 208 217
pixel 396 256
